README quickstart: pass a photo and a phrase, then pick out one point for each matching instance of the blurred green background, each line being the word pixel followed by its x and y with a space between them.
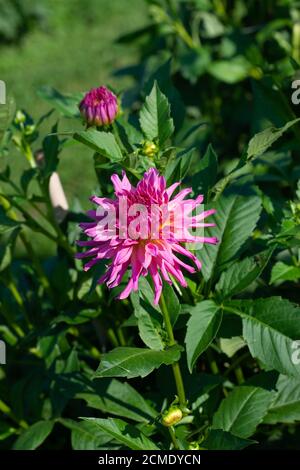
pixel 69 45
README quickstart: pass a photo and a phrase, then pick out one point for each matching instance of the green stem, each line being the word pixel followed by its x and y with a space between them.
pixel 239 375
pixel 112 337
pixel 175 366
pixel 212 363
pixel 173 437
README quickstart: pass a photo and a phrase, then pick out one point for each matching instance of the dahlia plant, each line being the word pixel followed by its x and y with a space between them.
pixel 175 332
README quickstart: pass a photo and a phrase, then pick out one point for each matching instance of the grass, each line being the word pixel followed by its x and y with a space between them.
pixel 73 51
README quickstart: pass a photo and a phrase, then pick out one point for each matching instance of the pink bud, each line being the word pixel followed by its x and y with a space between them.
pixel 99 107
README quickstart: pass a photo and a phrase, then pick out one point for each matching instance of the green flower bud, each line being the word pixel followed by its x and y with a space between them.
pixel 150 149
pixel 194 445
pixel 172 416
pixel 29 129
pixel 20 117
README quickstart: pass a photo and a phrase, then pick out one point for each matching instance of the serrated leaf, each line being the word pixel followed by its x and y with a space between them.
pixel 155 119
pixel 263 140
pixel 269 328
pixel 235 218
pixel 124 433
pixel 178 167
pixel 149 318
pixel 202 328
pixel 103 143
pixel 284 272
pixel 85 435
pixel 223 440
pixel 135 362
pixel 243 410
pixel 34 436
pixel 241 274
pixel 286 405
pixel 207 169
pixel 118 398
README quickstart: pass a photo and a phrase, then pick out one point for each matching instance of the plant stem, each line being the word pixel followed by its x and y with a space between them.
pixel 175 366
pixel 174 438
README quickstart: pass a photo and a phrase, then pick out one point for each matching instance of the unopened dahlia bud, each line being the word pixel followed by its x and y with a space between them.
pixel 99 107
pixel 172 416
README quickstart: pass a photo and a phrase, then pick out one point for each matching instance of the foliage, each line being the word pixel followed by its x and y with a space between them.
pixel 88 371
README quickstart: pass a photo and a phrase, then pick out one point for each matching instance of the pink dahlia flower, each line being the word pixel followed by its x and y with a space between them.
pixel 99 107
pixel 150 242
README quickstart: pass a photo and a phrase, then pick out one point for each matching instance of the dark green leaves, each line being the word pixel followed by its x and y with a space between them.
pixel 135 362
pixel 269 328
pixel 155 119
pixel 286 405
pixel 243 410
pixel 241 274
pixel 86 435
pixel 103 143
pixel 223 440
pixel 207 172
pixel 263 140
pixel 7 224
pixel 235 218
pixel 284 272
pixel 118 398
pixel 124 433
pixel 202 328
pixel 34 436
pixel 148 316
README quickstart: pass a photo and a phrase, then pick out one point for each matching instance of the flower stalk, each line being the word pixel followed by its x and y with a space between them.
pixel 175 366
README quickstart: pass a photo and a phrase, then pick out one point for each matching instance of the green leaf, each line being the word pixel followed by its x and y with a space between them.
pixel 243 410
pixel 103 143
pixel 118 398
pixel 172 303
pixel 34 436
pixel 66 104
pixel 148 316
pixel 235 218
pixel 230 71
pixel 135 362
pixel 230 346
pixel 222 440
pixel 202 328
pixel 86 435
pixel 155 119
pixel 263 140
pixel 124 433
pixel 206 174
pixel 77 318
pixel 284 272
pixel 178 167
pixel 6 223
pixel 269 328
pixel 241 274
pixel 286 406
